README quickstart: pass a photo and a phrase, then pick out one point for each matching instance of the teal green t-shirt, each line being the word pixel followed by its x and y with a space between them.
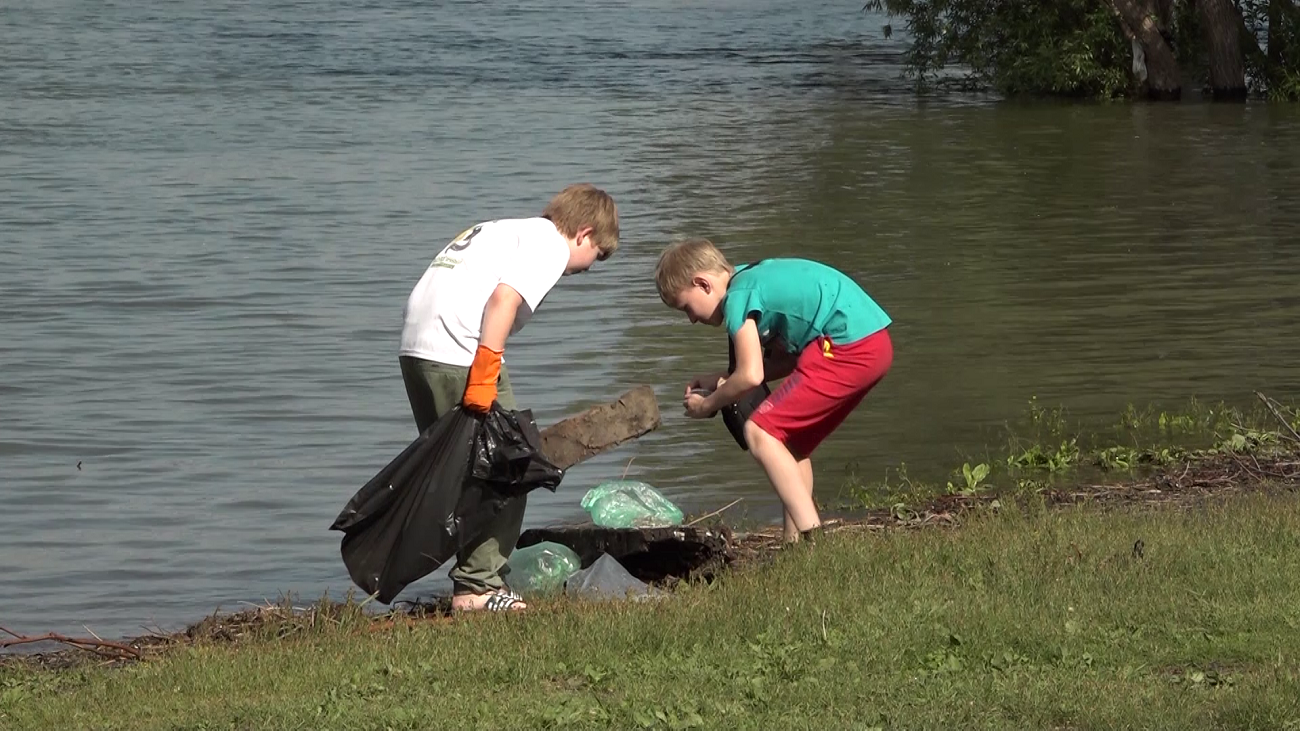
pixel 798 300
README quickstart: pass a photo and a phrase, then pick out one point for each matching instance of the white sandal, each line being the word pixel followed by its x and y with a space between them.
pixel 503 600
pixel 500 600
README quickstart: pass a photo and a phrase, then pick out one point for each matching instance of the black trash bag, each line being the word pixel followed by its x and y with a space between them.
pixel 438 495
pixel 507 463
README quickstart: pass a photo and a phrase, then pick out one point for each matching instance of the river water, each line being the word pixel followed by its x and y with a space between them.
pixel 211 214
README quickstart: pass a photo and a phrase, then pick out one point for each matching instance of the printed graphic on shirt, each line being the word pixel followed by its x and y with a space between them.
pixel 447 258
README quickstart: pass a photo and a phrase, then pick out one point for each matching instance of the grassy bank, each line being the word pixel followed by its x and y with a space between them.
pixel 1022 618
pixel 1047 451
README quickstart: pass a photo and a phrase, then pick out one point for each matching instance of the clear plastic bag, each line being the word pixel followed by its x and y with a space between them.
pixel 607 579
pixel 541 568
pixel 630 504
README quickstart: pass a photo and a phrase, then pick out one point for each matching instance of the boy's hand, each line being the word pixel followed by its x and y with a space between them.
pixel 707 382
pixel 481 388
pixel 694 405
pixel 698 390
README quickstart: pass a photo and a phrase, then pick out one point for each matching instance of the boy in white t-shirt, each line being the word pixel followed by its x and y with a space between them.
pixel 479 290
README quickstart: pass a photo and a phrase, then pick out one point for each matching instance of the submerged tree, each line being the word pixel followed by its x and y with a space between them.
pixel 1107 48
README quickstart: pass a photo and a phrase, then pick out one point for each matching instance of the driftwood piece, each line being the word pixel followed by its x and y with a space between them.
pixel 601 428
pixel 649 554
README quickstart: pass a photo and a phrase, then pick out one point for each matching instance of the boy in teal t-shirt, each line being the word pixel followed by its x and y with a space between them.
pixel 825 336
pixel 798 300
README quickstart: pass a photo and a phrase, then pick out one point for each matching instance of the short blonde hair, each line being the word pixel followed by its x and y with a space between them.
pixel 581 205
pixel 682 261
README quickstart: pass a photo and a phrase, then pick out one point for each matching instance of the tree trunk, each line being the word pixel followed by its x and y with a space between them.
pixel 1221 21
pixel 1141 17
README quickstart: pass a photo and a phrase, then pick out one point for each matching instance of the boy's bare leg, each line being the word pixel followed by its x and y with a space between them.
pixel 791 533
pixel 791 480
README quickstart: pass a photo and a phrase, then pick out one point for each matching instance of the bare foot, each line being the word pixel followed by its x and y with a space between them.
pixel 497 601
pixel 796 536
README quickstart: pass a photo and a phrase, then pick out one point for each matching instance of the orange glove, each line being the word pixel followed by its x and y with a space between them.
pixel 481 389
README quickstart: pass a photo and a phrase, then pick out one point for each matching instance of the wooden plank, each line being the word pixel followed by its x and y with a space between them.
pixel 601 428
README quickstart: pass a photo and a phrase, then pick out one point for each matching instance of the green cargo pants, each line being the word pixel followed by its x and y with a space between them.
pixel 433 389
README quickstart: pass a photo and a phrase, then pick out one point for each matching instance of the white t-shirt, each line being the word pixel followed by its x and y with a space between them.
pixel 444 312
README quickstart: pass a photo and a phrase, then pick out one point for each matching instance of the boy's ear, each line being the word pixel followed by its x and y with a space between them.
pixel 584 231
pixel 703 283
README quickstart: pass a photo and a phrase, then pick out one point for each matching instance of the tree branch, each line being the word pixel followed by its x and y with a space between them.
pixel 97 646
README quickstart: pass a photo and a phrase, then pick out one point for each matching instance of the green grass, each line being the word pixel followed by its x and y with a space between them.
pixel 1044 449
pixel 1023 619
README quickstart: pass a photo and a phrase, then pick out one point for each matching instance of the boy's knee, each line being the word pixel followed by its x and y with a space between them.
pixel 759 441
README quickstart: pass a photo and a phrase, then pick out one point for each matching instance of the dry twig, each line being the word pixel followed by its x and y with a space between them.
pixel 719 511
pixel 97 646
pixel 1272 406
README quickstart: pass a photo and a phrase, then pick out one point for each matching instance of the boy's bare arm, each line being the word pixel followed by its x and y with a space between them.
pixel 747 375
pixel 499 317
pixel 776 365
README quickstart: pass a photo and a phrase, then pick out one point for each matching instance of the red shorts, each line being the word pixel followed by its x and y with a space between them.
pixel 828 382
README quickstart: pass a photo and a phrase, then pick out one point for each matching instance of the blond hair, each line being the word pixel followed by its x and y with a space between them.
pixel 682 261
pixel 582 205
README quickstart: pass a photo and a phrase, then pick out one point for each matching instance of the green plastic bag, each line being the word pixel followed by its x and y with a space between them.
pixel 541 568
pixel 630 504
